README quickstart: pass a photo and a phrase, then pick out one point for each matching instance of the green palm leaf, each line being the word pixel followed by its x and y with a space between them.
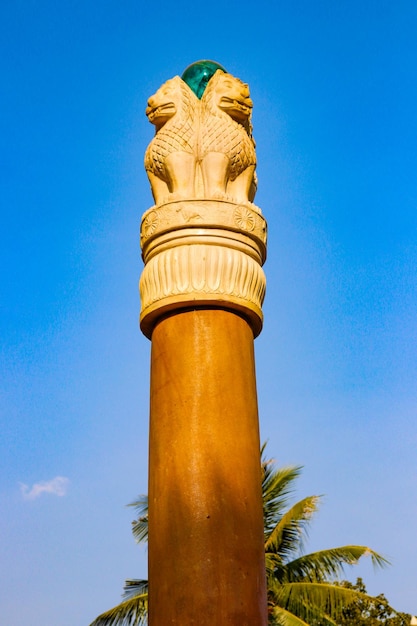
pixel 309 600
pixel 276 487
pixel 289 531
pixel 325 564
pixel 281 617
pixel 132 612
pixel 135 588
pixel 140 526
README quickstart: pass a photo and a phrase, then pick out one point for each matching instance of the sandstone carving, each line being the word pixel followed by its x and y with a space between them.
pixel 204 241
pixel 202 149
pixel 227 152
pixel 171 156
pixel 202 274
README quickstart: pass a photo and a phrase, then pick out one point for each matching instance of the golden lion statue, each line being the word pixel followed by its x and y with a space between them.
pixel 170 157
pixel 202 149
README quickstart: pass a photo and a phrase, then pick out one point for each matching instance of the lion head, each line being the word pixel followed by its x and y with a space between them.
pixel 231 95
pixel 173 96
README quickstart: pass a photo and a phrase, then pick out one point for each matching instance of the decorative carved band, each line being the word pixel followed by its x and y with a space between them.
pixel 201 275
pixel 204 214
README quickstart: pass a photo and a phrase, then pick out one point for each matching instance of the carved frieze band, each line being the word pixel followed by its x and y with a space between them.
pixel 245 219
pixel 189 275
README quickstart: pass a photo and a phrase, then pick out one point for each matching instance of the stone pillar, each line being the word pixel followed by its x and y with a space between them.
pixel 202 289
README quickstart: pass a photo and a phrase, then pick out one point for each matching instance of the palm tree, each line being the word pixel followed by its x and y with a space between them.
pixel 301 589
pixel 133 610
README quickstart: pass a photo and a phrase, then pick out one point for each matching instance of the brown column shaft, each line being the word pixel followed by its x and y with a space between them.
pixel 206 553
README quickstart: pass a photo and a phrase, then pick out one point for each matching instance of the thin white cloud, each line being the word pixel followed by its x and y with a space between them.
pixel 57 486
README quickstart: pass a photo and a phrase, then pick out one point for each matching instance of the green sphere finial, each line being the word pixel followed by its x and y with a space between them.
pixel 198 74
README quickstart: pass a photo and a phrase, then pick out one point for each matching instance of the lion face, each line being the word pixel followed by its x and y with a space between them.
pixel 163 104
pixel 232 96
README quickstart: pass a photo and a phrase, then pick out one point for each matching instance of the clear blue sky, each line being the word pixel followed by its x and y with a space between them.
pixel 335 120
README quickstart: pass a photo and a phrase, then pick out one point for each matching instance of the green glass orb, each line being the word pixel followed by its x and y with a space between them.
pixel 198 74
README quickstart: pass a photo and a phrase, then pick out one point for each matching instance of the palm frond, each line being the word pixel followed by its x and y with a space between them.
pixel 273 563
pixel 307 599
pixel 325 564
pixel 134 588
pixel 140 525
pixel 281 617
pixel 132 612
pixel 276 487
pixel 288 534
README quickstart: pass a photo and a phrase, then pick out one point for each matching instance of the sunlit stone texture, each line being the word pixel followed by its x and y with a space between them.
pixel 203 244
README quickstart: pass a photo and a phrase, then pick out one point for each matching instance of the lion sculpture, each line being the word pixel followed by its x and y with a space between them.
pixel 170 158
pixel 202 149
pixel 227 149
